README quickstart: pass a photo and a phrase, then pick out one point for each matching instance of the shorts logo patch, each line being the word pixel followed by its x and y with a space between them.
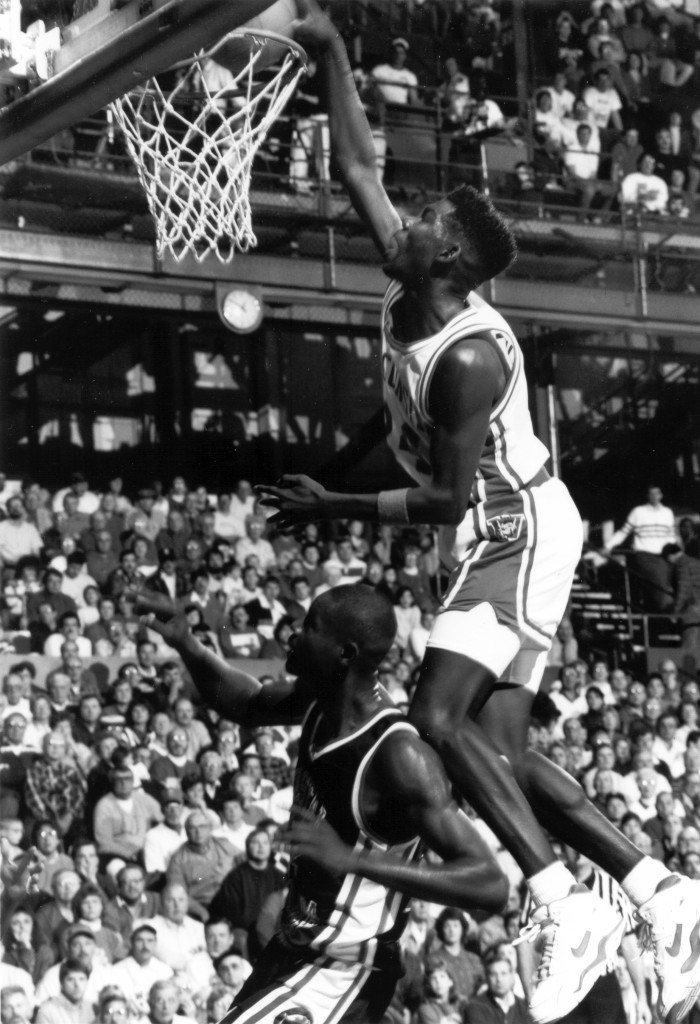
pixel 295 1015
pixel 507 527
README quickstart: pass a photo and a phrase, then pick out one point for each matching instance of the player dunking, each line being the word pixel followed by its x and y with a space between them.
pixel 368 794
pixel 456 396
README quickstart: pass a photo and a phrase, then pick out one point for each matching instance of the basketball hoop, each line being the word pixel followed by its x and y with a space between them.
pixel 194 144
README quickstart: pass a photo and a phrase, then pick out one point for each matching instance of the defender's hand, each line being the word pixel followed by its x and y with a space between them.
pixel 310 836
pixel 297 499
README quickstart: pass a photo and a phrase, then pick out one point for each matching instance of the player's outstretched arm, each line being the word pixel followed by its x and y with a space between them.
pixel 413 780
pixel 234 694
pixel 351 137
pixel 467 382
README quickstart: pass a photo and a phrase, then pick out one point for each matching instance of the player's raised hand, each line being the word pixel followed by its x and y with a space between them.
pixel 160 614
pixel 313 27
pixel 309 835
pixel 297 499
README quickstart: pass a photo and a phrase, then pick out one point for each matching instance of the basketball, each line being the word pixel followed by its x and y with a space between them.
pixel 279 17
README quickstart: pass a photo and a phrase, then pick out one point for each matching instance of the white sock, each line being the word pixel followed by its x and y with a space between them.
pixel 550 884
pixel 640 884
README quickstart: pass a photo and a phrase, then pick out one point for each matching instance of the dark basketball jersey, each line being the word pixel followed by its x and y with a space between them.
pixel 349 918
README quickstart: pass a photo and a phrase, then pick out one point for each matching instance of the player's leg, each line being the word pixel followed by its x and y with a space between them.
pixel 452 687
pixel 670 904
pixel 557 799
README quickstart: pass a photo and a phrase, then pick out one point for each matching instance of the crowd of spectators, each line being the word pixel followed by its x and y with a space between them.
pixel 156 822
pixel 613 123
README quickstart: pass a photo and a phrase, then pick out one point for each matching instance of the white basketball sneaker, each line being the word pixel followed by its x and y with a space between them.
pixel 579 935
pixel 673 919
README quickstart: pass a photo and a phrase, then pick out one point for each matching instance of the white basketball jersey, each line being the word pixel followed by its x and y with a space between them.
pixel 512 454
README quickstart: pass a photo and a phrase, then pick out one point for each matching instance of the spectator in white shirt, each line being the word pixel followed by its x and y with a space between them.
pixel 667 748
pixel 18 538
pixel 562 98
pixel 179 938
pixel 604 101
pixel 651 527
pixel 643 190
pixel 161 841
pixel 138 972
pixel 68 629
pixel 396 83
pixel 255 544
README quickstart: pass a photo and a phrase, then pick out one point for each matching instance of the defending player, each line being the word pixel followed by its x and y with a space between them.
pixel 368 794
pixel 459 424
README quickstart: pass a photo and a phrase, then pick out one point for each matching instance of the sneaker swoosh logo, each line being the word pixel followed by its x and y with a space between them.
pixel 694 949
pixel 600 958
pixel 675 947
pixel 583 945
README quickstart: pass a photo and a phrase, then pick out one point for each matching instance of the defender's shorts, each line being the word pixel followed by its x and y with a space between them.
pixel 524 572
pixel 326 991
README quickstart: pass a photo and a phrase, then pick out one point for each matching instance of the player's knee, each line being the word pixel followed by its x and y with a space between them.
pixel 436 725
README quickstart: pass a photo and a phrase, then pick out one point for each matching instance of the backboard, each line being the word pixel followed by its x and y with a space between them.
pixel 106 53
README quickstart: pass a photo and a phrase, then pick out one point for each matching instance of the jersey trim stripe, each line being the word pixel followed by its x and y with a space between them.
pixel 349 997
pixel 510 386
pixel 458 332
pixel 278 997
pixel 336 744
pixel 359 779
pixel 463 570
pixel 344 901
pixel 501 455
pixel 528 561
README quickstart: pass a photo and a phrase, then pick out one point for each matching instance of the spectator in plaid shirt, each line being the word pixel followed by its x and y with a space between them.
pixel 55 787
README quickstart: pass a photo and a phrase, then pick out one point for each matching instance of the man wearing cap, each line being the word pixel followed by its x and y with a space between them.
pixel 141 969
pixel 201 864
pixel 164 839
pixel 82 946
pixel 396 83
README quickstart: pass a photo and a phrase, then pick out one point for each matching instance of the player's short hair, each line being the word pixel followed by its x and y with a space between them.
pixel 491 243
pixel 361 615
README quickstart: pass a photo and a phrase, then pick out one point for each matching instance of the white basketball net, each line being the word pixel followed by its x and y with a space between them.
pixel 194 147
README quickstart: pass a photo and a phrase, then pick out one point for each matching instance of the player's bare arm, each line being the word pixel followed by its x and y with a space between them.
pixel 351 137
pixel 407 785
pixel 467 384
pixel 234 694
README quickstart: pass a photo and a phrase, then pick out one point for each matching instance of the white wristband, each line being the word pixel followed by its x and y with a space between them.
pixel 392 506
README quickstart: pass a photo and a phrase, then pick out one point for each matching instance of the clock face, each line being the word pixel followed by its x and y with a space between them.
pixel 242 310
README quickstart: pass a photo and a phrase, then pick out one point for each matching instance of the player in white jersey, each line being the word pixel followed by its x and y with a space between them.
pixel 456 394
pixel 368 794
